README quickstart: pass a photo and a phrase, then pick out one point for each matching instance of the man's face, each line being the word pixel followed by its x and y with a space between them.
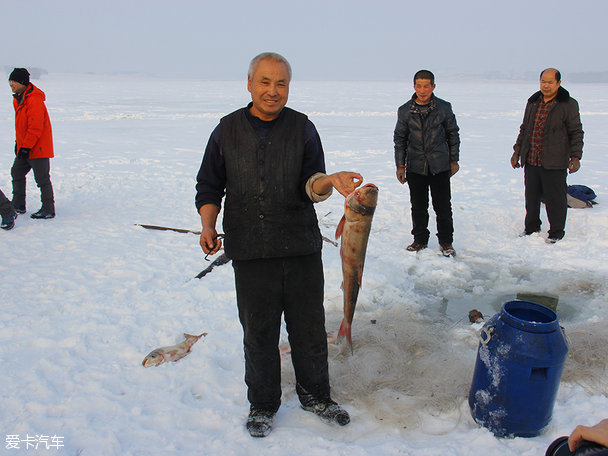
pixel 424 89
pixel 269 87
pixel 548 85
pixel 16 87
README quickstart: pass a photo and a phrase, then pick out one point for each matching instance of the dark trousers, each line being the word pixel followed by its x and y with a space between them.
pixel 265 289
pixel 550 186
pixel 6 208
pixel 42 175
pixel 439 185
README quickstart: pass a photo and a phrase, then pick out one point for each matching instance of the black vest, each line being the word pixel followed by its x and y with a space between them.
pixel 265 213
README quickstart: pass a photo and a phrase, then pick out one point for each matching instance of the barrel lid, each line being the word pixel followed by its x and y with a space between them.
pixel 529 316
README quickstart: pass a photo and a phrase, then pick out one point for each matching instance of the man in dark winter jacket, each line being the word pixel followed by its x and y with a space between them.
pixel 268 161
pixel 426 155
pixel 550 142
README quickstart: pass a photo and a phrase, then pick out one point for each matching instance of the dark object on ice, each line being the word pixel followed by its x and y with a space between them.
pixel 580 196
pixel 559 447
pixel 475 315
pixel 182 230
pixel 222 259
pixel 519 362
pixel 334 243
pixel 166 228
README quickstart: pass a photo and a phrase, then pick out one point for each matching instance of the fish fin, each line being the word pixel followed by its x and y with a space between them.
pixel 179 356
pixel 360 275
pixel 340 227
pixel 332 338
pixel 345 331
pixel 192 336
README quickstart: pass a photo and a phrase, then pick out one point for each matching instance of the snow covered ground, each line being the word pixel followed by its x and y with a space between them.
pixel 86 296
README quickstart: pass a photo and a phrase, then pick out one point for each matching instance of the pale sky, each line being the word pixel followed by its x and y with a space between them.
pixel 322 39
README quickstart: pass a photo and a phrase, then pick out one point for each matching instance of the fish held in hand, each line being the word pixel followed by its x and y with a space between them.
pixel 354 229
pixel 171 353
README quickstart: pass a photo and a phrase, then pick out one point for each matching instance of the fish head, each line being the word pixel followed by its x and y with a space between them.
pixel 154 358
pixel 363 200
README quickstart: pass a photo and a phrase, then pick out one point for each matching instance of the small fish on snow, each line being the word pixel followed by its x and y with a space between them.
pixel 171 353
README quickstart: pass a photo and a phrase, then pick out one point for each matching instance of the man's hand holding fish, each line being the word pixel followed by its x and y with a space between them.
pixel 343 181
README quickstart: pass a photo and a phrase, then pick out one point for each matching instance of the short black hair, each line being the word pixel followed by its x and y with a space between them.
pixel 424 74
pixel 558 75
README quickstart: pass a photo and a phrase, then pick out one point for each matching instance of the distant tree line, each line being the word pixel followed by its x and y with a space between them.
pixel 579 77
pixel 598 76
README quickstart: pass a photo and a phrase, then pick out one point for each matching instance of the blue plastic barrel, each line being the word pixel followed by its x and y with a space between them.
pixel 518 369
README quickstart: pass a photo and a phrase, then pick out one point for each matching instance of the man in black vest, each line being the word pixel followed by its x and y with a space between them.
pixel 268 161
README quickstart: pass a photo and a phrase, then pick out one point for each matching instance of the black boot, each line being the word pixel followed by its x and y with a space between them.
pixel 259 422
pixel 327 409
pixel 8 222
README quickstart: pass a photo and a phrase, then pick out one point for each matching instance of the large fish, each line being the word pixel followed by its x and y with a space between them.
pixel 172 353
pixel 354 229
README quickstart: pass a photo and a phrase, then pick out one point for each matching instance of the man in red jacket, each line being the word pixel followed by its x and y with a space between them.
pixel 33 145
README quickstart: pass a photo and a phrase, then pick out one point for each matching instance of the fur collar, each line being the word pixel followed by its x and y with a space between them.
pixel 562 96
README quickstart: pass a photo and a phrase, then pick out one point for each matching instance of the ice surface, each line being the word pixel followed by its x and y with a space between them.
pixel 87 295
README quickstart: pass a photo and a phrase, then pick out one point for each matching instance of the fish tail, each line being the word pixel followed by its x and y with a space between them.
pixel 192 336
pixel 345 331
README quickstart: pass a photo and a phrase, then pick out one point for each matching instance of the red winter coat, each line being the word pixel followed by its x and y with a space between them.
pixel 32 124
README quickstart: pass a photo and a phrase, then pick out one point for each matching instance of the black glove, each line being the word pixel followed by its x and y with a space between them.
pixel 23 153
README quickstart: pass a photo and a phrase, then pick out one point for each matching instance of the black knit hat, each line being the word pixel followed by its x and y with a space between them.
pixel 20 75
